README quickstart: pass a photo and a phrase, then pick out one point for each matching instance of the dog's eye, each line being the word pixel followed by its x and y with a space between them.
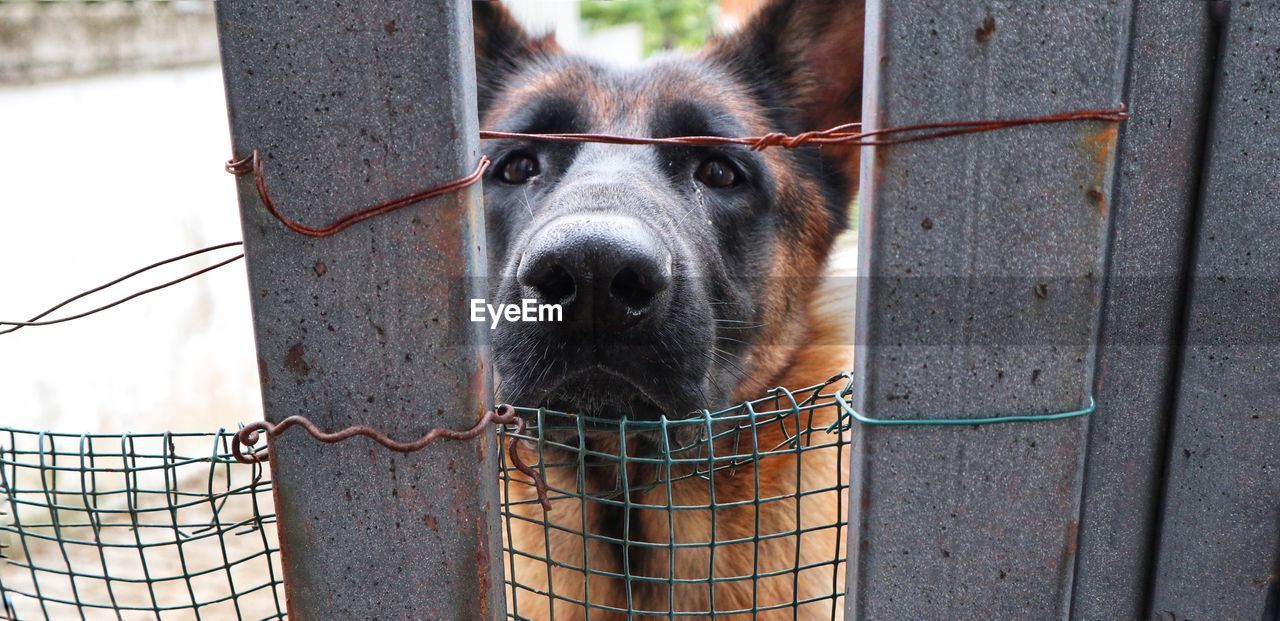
pixel 717 173
pixel 518 168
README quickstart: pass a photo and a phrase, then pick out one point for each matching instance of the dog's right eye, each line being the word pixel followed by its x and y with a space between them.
pixel 717 173
pixel 518 168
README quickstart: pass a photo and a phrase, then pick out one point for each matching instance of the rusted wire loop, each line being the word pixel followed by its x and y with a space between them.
pixel 840 135
pixel 249 435
pixel 242 165
pixel 255 163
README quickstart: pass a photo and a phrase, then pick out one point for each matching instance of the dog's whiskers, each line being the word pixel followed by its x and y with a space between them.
pixel 747 324
pixel 701 202
pixel 525 194
pixel 720 356
pixel 546 368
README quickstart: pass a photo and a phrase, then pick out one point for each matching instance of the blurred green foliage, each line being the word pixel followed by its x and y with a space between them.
pixel 668 24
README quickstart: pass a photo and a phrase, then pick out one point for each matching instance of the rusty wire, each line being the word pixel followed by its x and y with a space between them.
pixel 254 163
pixel 840 135
pixel 36 320
pixel 502 415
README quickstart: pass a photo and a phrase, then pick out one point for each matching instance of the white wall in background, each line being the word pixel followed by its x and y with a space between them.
pixel 99 177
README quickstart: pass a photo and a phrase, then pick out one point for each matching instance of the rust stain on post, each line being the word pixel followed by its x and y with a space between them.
pixel 984 32
pixel 1099 146
pixel 482 559
pixel 295 361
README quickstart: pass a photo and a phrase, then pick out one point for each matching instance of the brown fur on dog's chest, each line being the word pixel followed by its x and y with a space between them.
pixel 773 309
pixel 827 351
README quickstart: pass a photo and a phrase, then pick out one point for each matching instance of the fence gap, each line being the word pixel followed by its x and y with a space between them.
pixel 352 104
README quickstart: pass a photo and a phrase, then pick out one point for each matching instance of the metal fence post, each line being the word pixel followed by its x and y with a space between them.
pixel 352 104
pixel 981 271
pixel 1219 546
pixel 1156 192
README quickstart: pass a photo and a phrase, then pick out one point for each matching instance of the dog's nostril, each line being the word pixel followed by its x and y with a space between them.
pixel 630 289
pixel 555 285
pixel 608 272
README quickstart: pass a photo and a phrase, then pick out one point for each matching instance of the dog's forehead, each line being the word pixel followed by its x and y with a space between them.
pixel 636 99
pixel 686 81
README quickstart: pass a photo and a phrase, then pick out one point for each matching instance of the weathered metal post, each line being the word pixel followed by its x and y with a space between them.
pixel 352 104
pixel 981 272
pixel 1156 192
pixel 1219 544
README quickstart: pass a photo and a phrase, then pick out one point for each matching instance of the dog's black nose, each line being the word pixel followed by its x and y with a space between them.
pixel 608 272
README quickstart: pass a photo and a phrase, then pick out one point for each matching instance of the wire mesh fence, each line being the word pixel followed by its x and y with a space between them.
pixel 148 526
pixel 736 514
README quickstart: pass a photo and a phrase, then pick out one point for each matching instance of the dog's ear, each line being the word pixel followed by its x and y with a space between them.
pixel 809 52
pixel 502 46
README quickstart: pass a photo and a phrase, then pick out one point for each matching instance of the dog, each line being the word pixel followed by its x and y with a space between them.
pixel 689 278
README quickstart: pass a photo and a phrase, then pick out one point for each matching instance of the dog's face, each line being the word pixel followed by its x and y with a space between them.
pixel 683 273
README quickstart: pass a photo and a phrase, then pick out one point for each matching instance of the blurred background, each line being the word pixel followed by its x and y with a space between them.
pixel 113 127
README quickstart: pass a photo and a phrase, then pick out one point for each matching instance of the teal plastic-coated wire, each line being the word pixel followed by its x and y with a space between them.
pixel 122 525
pixel 990 420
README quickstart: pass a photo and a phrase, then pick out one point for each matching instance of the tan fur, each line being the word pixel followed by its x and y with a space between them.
pixel 807 311
pixel 827 350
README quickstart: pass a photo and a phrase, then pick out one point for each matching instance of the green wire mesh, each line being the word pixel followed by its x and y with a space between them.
pixel 732 514
pixel 149 526
pixel 735 514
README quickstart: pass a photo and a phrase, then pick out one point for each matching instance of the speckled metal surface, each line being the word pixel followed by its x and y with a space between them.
pixel 354 103
pixel 1219 548
pixel 1157 183
pixel 981 259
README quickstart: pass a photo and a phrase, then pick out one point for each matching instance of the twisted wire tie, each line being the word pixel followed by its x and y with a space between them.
pixel 504 414
pixel 840 135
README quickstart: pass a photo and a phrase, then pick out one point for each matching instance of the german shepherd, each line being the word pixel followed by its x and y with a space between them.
pixel 689 278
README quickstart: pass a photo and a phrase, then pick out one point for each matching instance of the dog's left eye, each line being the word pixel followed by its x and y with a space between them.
pixel 518 168
pixel 717 173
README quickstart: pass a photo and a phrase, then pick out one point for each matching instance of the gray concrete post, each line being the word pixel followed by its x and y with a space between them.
pixel 353 103
pixel 981 273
